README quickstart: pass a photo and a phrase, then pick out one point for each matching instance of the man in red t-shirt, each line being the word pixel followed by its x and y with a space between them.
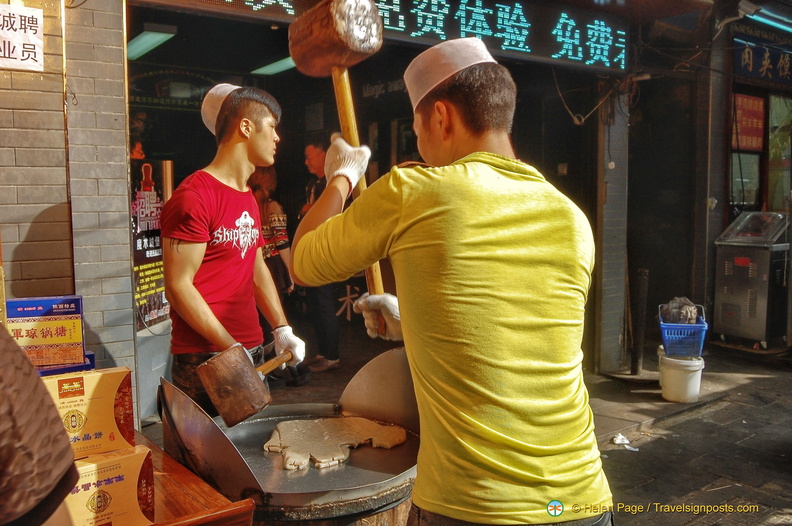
pixel 215 275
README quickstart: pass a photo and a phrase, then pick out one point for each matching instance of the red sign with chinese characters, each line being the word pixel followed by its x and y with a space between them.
pixel 749 123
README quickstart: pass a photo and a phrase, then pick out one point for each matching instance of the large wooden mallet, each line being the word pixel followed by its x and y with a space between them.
pixel 326 40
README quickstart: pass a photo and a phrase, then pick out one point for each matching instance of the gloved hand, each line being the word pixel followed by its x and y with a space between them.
pixel 286 340
pixel 372 307
pixel 346 160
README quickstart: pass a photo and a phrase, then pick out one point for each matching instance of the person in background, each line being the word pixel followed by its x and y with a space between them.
pixel 321 300
pixel 37 470
pixel 492 267
pixel 138 133
pixel 136 149
pixel 277 254
pixel 215 274
pixel 315 153
pixel 276 249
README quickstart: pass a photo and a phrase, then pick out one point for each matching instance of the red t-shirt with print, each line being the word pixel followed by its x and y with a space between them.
pixel 204 210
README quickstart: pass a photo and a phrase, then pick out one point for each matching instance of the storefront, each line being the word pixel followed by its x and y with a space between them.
pixel 67 216
pixel 760 155
pixel 761 119
pixel 566 83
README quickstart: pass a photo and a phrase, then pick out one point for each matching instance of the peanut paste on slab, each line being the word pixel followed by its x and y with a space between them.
pixel 326 441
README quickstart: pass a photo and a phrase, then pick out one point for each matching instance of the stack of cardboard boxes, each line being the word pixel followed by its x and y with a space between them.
pixel 116 484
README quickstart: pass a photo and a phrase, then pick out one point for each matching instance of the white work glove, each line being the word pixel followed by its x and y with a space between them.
pixel 346 160
pixel 385 305
pixel 286 340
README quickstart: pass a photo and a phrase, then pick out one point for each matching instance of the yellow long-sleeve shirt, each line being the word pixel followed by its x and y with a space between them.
pixel 492 268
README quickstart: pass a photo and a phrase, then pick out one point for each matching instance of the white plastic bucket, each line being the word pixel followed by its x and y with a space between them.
pixel 680 378
pixel 660 354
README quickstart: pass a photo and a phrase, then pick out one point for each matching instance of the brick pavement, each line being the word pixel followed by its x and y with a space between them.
pixel 735 451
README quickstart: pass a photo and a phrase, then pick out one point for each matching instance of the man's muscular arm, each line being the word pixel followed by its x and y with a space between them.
pixel 267 297
pixel 181 261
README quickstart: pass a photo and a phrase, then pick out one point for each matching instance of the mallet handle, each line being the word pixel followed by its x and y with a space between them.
pixel 270 365
pixel 346 116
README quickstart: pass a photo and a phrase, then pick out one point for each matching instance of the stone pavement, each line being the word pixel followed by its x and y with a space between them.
pixel 731 452
pixel 732 448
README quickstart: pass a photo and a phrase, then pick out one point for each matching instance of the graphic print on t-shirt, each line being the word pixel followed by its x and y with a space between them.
pixel 242 237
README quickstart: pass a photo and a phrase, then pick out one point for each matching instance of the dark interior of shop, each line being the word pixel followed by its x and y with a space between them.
pixel 166 86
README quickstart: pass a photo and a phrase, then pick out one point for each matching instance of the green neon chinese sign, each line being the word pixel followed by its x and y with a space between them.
pixel 526 30
pixel 520 30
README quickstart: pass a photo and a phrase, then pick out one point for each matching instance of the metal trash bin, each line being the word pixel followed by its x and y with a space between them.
pixel 750 281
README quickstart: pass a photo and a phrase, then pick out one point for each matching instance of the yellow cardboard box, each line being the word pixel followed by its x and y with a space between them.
pixel 96 408
pixel 114 489
pixel 49 329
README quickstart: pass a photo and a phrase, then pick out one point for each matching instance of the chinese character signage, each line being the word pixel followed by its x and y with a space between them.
pixel 21 38
pixel 762 60
pixel 49 329
pixel 148 182
pixel 513 29
pixel 521 29
pixel 749 120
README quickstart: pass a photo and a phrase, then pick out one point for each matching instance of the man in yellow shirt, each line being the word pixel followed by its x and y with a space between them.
pixel 492 266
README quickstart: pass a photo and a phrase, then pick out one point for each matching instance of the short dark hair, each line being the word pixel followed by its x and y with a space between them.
pixel 320 142
pixel 484 94
pixel 248 102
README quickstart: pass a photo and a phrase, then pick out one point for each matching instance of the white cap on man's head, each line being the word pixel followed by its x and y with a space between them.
pixel 439 62
pixel 211 104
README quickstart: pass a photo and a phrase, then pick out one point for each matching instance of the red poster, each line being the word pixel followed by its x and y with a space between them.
pixel 749 123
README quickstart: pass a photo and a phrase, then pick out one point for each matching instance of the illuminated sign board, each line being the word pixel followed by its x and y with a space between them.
pixel 762 60
pixel 546 32
pixel 512 29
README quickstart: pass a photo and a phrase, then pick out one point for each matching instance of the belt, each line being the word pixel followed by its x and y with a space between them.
pixel 197 358
pixel 194 358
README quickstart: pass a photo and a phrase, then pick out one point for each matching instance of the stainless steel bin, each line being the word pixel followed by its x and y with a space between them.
pixel 752 256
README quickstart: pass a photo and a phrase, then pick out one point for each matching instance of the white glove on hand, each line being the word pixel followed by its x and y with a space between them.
pixel 286 340
pixel 388 306
pixel 346 160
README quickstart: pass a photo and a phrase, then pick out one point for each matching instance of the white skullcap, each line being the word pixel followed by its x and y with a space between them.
pixel 211 104
pixel 439 62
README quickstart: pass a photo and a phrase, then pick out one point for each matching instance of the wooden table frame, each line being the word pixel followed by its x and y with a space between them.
pixel 184 499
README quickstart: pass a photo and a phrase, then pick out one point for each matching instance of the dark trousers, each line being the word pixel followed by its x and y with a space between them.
pixel 419 517
pixel 322 302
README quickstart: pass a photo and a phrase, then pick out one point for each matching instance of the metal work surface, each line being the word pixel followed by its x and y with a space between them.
pixel 366 471
pixel 233 460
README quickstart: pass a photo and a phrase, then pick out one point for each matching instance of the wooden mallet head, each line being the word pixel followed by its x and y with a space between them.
pixel 335 34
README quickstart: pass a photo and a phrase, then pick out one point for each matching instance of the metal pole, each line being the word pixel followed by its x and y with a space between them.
pixel 636 364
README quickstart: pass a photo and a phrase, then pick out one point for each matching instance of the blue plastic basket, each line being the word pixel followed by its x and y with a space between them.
pixel 684 339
